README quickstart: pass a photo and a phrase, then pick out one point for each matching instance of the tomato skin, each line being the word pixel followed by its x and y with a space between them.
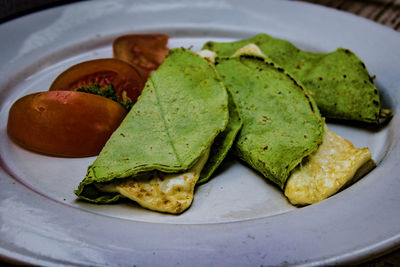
pixel 144 51
pixel 64 123
pixel 120 74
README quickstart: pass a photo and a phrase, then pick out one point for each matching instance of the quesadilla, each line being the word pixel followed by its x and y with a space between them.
pixel 281 122
pixel 283 135
pixel 157 154
pixel 338 81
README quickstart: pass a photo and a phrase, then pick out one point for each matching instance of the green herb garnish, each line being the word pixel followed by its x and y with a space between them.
pixel 108 92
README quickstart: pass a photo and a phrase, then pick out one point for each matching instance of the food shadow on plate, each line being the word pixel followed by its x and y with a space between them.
pixel 231 159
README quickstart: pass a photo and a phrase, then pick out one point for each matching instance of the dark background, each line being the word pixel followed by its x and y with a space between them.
pixel 386 12
pixel 10 9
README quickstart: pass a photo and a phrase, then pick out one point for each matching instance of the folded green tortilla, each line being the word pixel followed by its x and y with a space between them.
pixel 339 81
pixel 168 132
pixel 281 122
pixel 223 142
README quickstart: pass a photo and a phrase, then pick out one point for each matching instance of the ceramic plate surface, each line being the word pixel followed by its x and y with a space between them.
pixel 238 218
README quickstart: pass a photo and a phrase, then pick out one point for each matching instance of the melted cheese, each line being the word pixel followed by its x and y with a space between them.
pixel 250 49
pixel 208 55
pixel 165 192
pixel 322 174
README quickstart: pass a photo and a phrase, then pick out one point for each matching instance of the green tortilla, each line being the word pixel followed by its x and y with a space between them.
pixel 182 109
pixel 281 122
pixel 222 143
pixel 339 81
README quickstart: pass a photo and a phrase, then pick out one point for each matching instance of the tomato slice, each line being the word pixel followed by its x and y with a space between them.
pixel 123 76
pixel 144 51
pixel 64 123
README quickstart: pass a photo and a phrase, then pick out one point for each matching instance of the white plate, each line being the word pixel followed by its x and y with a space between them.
pixel 238 218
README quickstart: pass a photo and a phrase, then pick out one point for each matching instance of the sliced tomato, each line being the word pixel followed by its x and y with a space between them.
pixel 123 76
pixel 64 123
pixel 144 51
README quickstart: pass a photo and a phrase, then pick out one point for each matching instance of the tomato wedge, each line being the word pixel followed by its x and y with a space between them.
pixel 123 76
pixel 64 123
pixel 144 51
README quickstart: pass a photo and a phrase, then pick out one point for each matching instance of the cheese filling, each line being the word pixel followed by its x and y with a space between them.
pixel 208 55
pixel 165 192
pixel 250 49
pixel 336 163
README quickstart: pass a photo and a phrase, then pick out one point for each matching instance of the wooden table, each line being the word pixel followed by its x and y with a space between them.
pixel 386 12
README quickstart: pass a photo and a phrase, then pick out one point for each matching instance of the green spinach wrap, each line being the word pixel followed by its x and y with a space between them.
pixel 157 154
pixel 223 142
pixel 338 81
pixel 281 123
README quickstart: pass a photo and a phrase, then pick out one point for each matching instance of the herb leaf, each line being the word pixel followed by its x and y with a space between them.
pixel 108 92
